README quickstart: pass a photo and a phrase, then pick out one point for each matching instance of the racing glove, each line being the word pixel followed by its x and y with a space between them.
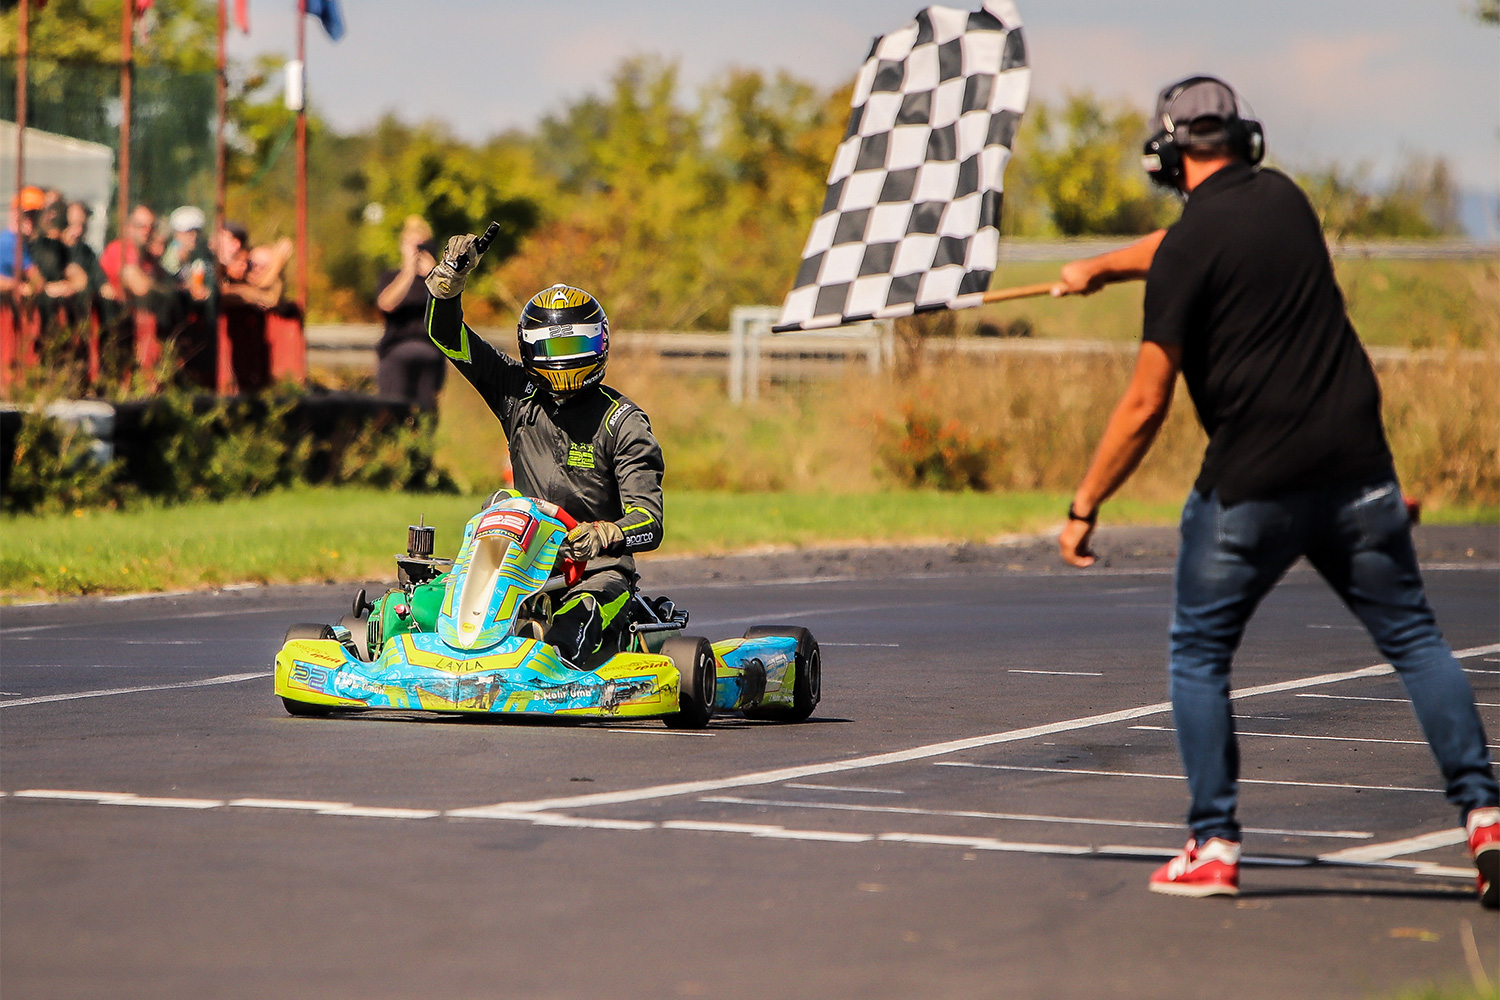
pixel 447 279
pixel 592 539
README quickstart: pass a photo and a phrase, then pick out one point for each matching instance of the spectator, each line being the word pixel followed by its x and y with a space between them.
pixel 187 258
pixel 411 366
pixel 250 276
pixel 83 255
pixel 128 261
pixel 20 226
pixel 64 283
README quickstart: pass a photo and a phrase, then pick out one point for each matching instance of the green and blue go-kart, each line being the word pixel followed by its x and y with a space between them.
pixel 465 636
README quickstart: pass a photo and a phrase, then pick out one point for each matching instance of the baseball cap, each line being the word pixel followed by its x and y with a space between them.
pixel 187 218
pixel 29 199
pixel 1197 97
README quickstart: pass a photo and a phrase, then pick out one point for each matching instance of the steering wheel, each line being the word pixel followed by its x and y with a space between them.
pixel 572 569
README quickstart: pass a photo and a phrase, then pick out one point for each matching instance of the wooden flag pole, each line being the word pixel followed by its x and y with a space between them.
pixel 1018 292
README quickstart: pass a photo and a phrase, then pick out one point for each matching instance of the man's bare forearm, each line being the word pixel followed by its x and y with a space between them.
pixel 1129 263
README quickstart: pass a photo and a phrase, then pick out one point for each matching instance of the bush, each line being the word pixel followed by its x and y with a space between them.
pixel 922 450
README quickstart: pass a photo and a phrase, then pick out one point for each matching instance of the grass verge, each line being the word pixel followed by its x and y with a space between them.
pixel 308 534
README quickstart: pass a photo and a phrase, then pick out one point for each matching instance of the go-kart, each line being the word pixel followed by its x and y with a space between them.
pixel 465 635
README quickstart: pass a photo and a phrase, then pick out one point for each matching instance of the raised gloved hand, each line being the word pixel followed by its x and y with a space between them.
pixel 459 258
pixel 590 540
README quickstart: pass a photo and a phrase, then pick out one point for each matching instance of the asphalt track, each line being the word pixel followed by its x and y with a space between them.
pixel 972 812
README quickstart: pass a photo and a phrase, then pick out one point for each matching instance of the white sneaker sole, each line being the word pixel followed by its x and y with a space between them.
pixel 1194 891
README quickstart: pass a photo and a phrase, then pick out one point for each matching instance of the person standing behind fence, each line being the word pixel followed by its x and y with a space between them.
pixel 1241 298
pixel 20 226
pixel 411 366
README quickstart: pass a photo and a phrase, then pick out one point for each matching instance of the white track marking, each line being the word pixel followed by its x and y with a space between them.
pixel 1061 673
pixel 376 812
pixel 883 645
pixel 1396 848
pixel 1303 736
pixel 768 832
pixel 1016 817
pixel 1178 777
pixel 916 753
pixel 1399 701
pixel 793 616
pixel 762 831
pixel 983 843
pixel 846 788
pixel 109 692
pixel 288 804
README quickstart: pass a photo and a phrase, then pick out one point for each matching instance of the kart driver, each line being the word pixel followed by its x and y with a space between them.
pixel 573 440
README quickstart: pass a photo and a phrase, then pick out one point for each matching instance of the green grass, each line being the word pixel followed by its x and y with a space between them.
pixel 351 534
pixel 1393 303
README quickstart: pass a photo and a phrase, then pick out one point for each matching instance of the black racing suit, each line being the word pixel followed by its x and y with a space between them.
pixel 592 454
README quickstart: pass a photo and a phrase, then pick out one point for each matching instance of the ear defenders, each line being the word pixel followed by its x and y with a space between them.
pixel 1162 154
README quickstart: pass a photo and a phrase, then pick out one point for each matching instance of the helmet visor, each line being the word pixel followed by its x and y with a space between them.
pixel 554 343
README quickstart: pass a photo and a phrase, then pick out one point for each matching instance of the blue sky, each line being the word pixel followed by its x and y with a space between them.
pixel 1354 81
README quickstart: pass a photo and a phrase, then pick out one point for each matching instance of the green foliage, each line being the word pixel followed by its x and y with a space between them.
pixel 1487 11
pixel 54 468
pixel 1421 201
pixel 1082 161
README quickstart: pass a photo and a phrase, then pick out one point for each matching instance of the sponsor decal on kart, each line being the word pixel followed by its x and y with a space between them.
pixel 517 525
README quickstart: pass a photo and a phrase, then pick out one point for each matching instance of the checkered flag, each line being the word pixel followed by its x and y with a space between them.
pixel 911 219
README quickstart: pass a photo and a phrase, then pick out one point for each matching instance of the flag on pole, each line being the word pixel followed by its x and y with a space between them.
pixel 328 12
pixel 911 219
pixel 242 16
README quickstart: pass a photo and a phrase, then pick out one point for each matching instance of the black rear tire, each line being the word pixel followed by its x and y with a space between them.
pixel 306 630
pixel 694 658
pixel 807 680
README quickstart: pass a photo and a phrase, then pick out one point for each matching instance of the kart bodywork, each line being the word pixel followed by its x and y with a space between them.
pixel 468 640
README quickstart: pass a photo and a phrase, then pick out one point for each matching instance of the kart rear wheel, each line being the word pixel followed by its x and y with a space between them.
pixel 694 659
pixel 306 630
pixel 807 682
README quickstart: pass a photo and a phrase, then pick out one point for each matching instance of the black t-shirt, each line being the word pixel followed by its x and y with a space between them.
pixel 50 257
pixel 408 321
pixel 1244 284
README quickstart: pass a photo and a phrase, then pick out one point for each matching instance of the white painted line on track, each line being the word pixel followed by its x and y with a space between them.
pixel 780 775
pixel 1016 817
pixel 1061 673
pixel 1304 736
pixel 1399 701
pixel 768 832
pixel 983 843
pixel 1178 777
pixel 845 788
pixel 288 804
pixel 762 831
pixel 883 645
pixel 660 732
pixel 1396 848
pixel 109 692
pixel 793 616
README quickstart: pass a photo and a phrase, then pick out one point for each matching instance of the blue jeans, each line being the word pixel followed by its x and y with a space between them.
pixel 1359 539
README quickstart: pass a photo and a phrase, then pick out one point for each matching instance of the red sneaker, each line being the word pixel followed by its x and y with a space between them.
pixel 1209 869
pixel 1484 844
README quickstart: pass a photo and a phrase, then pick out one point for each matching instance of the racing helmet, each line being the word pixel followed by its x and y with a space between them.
pixel 564 338
pixel 1198 101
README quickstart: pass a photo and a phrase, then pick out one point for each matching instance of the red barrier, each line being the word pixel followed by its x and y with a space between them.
pixel 247 350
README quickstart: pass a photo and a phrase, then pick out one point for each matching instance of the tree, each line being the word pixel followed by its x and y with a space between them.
pixel 1083 161
pixel 1420 202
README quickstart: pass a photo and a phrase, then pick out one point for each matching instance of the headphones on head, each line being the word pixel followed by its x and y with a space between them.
pixel 1162 154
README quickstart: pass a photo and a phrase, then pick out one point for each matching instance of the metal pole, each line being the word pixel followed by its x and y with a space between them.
pixel 23 45
pixel 302 162
pixel 127 70
pixel 222 87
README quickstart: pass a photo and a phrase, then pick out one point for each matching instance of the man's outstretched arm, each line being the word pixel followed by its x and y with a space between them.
pixel 1130 263
pixel 1127 437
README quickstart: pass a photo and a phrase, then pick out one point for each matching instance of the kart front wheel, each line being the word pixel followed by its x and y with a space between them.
pixel 306 630
pixel 694 659
pixel 807 682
